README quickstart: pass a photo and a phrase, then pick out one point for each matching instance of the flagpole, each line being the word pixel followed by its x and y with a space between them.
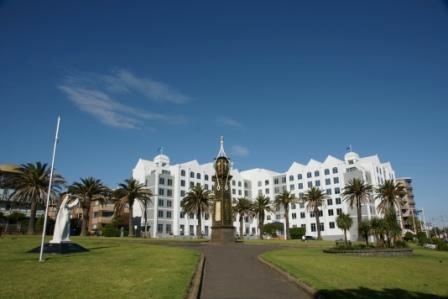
pixel 49 190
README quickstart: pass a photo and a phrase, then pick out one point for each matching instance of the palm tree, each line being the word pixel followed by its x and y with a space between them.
pixel 344 222
pixel 31 185
pixel 243 207
pixel 262 204
pixel 357 192
pixel 377 226
pixel 315 198
pixel 144 202
pixel 197 200
pixel 283 200
pixel 391 195
pixel 88 190
pixel 365 229
pixel 125 196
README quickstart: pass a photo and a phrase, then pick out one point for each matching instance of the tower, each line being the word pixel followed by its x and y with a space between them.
pixel 223 230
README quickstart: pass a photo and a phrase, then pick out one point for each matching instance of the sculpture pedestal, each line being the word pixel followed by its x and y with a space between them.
pixel 60 248
pixel 223 234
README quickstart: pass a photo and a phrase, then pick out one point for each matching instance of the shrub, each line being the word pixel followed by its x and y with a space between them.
pixel 110 230
pixel 400 244
pixel 422 238
pixel 297 232
pixel 408 236
pixel 441 244
pixel 272 228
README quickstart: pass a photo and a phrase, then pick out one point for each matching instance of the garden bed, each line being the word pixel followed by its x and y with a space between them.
pixel 371 251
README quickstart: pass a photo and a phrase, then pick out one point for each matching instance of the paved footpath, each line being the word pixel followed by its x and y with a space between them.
pixel 233 271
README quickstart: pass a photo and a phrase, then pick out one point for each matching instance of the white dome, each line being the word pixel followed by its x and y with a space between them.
pixel 351 157
pixel 162 160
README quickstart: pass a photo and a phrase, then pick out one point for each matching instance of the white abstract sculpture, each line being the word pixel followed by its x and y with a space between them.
pixel 62 226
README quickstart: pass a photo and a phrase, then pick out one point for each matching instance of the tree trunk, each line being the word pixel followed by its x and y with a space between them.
pixel 316 214
pixel 260 225
pixel 145 216
pixel 131 222
pixel 199 227
pixel 345 237
pixel 288 236
pixel 32 223
pixel 85 221
pixel 241 226
pixel 358 211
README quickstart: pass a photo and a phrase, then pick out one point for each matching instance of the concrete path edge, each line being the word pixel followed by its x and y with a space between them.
pixel 301 285
pixel 196 280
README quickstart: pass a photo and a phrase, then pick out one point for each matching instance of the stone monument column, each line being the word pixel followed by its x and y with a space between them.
pixel 223 230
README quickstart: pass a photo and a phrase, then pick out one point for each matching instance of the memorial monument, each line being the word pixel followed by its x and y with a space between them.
pixel 223 230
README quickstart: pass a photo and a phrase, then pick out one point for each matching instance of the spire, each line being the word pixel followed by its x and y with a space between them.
pixel 221 153
pixel 349 148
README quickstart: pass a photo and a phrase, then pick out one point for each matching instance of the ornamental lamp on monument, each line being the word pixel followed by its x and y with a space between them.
pixel 223 230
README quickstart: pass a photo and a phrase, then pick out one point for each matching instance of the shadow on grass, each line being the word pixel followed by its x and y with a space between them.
pixel 365 293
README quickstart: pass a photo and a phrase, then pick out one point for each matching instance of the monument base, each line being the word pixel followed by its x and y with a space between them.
pixel 60 248
pixel 223 234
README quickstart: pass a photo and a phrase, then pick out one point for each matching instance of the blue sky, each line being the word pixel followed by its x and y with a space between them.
pixel 283 81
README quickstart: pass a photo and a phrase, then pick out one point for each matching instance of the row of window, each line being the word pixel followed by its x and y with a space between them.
pixel 169 182
pixel 162 202
pixel 166 192
pixel 164 214
pixel 192 175
pixel 191 215
pixel 309 174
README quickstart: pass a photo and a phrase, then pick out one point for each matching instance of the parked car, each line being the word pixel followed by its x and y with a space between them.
pixel 310 238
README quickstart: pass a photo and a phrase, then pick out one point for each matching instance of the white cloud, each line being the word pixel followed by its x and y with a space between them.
pixel 225 121
pixel 93 95
pixel 240 151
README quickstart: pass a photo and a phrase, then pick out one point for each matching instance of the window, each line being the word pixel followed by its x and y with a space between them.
pixel 327 181
pixel 161 191
pixel 160 213
pixel 182 229
pixel 328 191
pixel 301 195
pixel 291 187
pixel 182 193
pixel 301 205
pixel 168 203
pixel 96 214
pixel 321 227
pixel 299 176
pixel 317 183
pixel 291 178
pixel 206 177
pixel 278 217
pixel 182 215
pixel 246 193
pixel 266 182
pixel 206 186
pixel 327 171
pixel 338 200
pixel 191 230
pixel 284 179
pixel 259 183
pixel 267 191
pixel 300 186
pixel 320 213
pixel 312 214
pixel 182 183
pixel 313 227
pixel 246 185
pixel 169 193
pixel 233 183
pixel 338 211
pixel 335 170
pixel 239 183
pixel 182 172
pixel 294 215
pixel 316 173
pixel 198 176
pixel 277 208
pixel 169 182
pixel 260 192
pixel 308 174
pixel 160 202
pixel 310 184
pixel 233 191
pixel 302 215
pixel 206 216
pixel 336 180
pixel 268 217
pixel 206 230
pixel 239 192
pixel 159 228
pixel 330 212
pixel 191 184
pixel 168 214
pixel 161 181
pixel 191 174
pixel 329 201
pixel 293 206
pixel 191 215
pixel 275 181
pixel 331 224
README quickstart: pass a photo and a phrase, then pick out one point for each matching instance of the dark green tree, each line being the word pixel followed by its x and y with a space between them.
pixel 261 205
pixel 315 198
pixel 283 200
pixel 344 222
pixel 197 200
pixel 243 207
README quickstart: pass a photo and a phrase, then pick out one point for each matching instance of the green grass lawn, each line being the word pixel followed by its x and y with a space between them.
pixel 422 275
pixel 113 268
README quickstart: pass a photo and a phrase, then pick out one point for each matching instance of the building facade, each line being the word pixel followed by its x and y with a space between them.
pixel 169 184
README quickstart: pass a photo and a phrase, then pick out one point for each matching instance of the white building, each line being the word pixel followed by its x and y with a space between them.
pixel 170 183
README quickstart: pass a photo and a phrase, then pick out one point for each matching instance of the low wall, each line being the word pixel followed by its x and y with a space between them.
pixel 372 251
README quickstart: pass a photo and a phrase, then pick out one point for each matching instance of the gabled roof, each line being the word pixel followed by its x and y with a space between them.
pixel 296 167
pixel 330 160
